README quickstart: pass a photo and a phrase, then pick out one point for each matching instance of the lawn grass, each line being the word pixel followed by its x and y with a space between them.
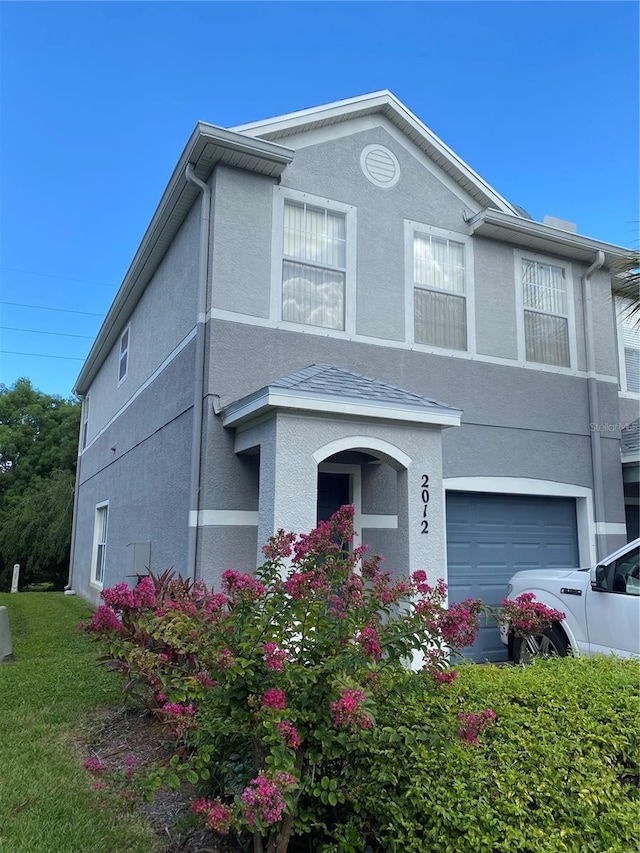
pixel 47 800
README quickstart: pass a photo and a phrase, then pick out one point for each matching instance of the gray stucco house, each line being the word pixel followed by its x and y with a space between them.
pixel 329 307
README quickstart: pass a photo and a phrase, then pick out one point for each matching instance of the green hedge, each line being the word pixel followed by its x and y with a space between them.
pixel 556 773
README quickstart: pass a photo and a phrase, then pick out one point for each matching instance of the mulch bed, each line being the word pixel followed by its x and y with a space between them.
pixel 124 732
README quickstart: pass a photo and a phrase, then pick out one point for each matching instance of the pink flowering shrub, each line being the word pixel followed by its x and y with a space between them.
pixel 526 616
pixel 266 685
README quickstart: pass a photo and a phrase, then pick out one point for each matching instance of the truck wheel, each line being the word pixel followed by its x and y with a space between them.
pixel 550 643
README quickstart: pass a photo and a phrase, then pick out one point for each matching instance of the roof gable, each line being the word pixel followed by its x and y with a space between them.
pixel 386 104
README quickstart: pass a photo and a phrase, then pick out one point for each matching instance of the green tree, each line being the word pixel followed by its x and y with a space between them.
pixel 38 452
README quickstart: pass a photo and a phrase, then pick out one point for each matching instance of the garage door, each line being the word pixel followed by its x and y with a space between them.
pixel 489 537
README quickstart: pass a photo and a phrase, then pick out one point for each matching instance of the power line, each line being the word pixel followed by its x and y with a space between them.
pixel 52 275
pixel 41 355
pixel 41 332
pixel 47 308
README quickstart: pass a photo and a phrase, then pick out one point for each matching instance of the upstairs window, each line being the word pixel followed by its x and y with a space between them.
pixel 439 292
pixel 85 421
pixel 123 364
pixel 629 336
pixel 546 313
pixel 314 265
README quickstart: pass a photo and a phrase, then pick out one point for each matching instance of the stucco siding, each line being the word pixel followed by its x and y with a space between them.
pixel 241 259
pixel 161 320
pixel 495 299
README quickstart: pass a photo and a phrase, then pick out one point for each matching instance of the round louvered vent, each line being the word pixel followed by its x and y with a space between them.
pixel 380 166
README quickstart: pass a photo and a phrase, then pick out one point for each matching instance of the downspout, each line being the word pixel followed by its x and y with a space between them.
pixel 592 393
pixel 76 490
pixel 198 381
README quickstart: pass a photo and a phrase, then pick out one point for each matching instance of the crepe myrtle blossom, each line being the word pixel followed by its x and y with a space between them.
pixel 130 763
pixel 525 616
pixel 94 765
pixel 279 547
pixel 262 799
pixel 104 619
pixel 289 734
pixel 459 624
pixel 470 725
pixel 217 816
pixel 274 657
pixel 348 712
pixel 274 698
pixel 241 587
pixel 369 641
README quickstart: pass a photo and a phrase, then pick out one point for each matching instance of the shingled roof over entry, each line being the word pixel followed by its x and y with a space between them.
pixel 323 388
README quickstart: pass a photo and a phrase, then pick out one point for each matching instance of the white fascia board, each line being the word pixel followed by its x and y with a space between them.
pixel 630 458
pixel 550 238
pixel 385 102
pixel 257 404
pixel 168 217
pixel 323 112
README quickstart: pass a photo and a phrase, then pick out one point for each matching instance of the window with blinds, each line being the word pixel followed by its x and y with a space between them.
pixel 546 315
pixel 100 542
pixel 629 331
pixel 314 266
pixel 439 299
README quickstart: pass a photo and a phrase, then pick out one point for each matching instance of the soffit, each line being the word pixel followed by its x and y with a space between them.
pixel 545 239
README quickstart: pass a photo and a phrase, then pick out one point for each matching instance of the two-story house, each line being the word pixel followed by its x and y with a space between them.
pixel 331 306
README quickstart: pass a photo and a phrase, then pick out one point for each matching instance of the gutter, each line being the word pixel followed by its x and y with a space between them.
pixel 592 392
pixel 198 379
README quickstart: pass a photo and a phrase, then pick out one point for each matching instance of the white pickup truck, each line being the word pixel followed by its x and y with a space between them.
pixel 601 607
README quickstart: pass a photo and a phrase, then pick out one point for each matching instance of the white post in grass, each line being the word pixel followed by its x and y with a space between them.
pixel 6 646
pixel 16 578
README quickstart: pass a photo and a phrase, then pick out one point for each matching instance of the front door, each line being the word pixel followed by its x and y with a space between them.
pixel 334 491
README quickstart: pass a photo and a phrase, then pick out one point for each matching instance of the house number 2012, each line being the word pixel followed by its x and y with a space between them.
pixel 424 494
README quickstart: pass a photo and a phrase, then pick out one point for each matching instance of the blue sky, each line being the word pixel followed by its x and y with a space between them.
pixel 99 99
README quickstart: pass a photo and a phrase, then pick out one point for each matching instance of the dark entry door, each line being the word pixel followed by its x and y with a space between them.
pixel 333 492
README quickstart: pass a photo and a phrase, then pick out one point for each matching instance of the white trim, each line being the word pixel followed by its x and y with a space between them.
pixel 604 528
pixel 519 255
pixel 282 194
pixel 172 355
pixel 124 353
pixel 379 522
pixel 244 319
pixel 544 488
pixel 411 228
pixel 101 505
pixel 223 518
pixel 274 400
pixel 366 443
